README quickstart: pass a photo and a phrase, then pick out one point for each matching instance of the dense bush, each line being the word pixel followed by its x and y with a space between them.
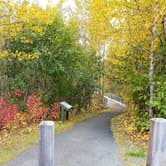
pixel 132 80
pixel 159 102
pixel 52 64
pixel 11 115
pixel 7 113
pixel 42 62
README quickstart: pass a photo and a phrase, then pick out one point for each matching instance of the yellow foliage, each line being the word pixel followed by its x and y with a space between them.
pixel 3 53
pixel 19 16
pixel 118 21
pixel 23 55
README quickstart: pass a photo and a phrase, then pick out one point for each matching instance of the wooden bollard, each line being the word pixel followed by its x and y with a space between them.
pixel 157 143
pixel 46 144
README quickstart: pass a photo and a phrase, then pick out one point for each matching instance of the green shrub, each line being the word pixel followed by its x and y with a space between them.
pixel 53 64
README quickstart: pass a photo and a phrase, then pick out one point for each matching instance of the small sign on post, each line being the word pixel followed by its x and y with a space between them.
pixel 46 143
pixel 65 107
pixel 157 142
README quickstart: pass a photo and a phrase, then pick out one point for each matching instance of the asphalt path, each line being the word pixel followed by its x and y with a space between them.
pixel 88 143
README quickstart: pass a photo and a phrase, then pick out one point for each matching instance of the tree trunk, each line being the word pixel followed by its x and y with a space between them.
pixel 164 28
pixel 152 56
pixel 151 73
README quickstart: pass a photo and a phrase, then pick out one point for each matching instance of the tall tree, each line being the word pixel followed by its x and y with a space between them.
pixel 130 30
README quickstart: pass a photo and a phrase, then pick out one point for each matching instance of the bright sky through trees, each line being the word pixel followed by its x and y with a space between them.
pixel 68 4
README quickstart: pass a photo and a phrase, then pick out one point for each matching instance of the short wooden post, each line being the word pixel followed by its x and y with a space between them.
pixel 157 143
pixel 46 144
pixel 67 115
pixel 62 114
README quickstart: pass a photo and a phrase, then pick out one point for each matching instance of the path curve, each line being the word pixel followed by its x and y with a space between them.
pixel 88 143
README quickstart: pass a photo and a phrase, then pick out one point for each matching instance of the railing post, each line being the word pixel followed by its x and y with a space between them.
pixel 46 144
pixel 157 143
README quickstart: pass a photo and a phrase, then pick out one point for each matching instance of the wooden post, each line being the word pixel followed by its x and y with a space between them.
pixel 67 115
pixel 62 114
pixel 46 144
pixel 157 143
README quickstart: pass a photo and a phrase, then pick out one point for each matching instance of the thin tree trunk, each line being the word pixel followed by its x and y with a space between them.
pixel 164 28
pixel 103 85
pixel 151 73
pixel 152 56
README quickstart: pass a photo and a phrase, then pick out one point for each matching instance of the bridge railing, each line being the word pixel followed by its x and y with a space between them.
pixel 117 98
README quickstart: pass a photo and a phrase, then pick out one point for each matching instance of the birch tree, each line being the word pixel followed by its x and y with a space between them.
pixel 131 29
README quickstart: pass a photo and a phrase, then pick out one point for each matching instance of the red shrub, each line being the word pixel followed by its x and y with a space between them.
pixel 35 109
pixel 11 116
pixel 18 93
pixel 31 102
pixel 54 114
pixel 55 106
pixel 7 113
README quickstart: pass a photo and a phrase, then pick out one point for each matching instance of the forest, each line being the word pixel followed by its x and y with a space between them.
pixel 77 54
pixel 42 63
pixel 132 37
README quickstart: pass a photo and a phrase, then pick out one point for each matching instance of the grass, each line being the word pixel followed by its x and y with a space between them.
pixel 138 154
pixel 17 142
pixel 21 139
pixel 132 151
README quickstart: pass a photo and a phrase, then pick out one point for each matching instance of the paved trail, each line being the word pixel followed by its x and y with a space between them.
pixel 89 143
